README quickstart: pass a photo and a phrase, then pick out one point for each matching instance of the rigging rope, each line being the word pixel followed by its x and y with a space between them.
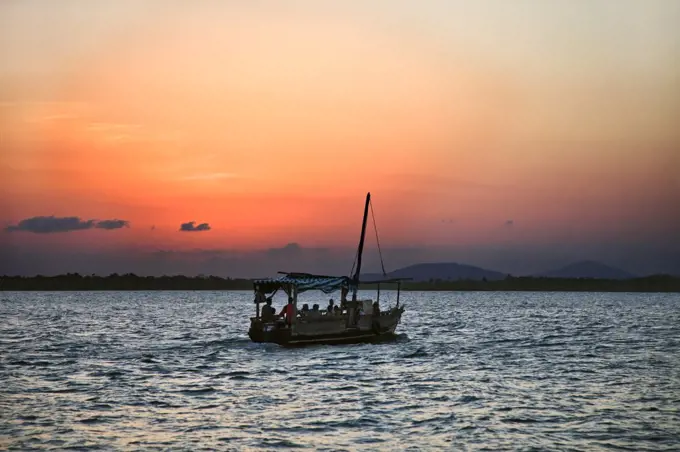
pixel 382 264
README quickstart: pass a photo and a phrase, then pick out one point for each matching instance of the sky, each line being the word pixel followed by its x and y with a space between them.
pixel 235 138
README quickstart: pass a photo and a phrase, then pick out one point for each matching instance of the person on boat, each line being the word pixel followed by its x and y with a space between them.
pixel 329 309
pixel 376 309
pixel 287 311
pixel 315 311
pixel 305 309
pixel 268 311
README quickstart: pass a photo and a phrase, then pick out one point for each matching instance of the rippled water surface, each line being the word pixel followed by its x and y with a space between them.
pixel 494 371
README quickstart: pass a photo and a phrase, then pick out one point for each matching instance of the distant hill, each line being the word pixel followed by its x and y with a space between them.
pixel 588 269
pixel 446 271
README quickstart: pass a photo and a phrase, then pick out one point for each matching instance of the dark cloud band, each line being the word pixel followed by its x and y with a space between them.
pixel 52 224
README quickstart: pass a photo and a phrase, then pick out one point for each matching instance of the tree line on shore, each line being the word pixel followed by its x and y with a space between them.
pixel 130 281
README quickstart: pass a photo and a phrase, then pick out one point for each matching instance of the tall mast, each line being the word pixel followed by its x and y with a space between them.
pixel 361 247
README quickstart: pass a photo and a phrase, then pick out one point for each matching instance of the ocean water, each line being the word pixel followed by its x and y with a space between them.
pixel 469 371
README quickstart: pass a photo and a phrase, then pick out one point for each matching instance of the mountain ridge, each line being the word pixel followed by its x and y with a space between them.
pixel 452 271
pixel 447 271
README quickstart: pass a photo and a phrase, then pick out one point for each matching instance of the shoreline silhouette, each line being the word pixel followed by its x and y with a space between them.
pixel 131 282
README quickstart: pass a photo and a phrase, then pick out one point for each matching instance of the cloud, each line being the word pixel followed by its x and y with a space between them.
pixel 51 224
pixel 112 224
pixel 189 227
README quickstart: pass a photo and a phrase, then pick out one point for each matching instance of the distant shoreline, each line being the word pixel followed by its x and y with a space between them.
pixel 131 282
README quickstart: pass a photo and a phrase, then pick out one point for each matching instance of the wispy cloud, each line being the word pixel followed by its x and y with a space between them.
pixel 192 227
pixel 112 126
pixel 117 132
pixel 52 224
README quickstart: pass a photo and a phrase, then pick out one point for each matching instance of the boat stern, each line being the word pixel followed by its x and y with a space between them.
pixel 275 332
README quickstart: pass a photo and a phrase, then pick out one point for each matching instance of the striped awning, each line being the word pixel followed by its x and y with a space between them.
pixel 305 282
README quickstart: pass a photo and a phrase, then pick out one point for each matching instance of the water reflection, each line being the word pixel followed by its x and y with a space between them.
pixel 503 371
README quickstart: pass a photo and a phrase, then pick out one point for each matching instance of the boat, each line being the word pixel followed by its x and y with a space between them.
pixel 353 321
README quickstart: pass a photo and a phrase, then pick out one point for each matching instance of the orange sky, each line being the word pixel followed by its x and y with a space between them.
pixel 271 122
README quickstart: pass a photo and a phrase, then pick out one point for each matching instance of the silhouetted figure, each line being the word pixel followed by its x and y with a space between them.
pixel 268 311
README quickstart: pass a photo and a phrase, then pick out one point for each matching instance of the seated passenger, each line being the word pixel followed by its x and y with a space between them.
pixel 315 311
pixel 305 309
pixel 287 311
pixel 268 311
pixel 337 310
pixel 329 309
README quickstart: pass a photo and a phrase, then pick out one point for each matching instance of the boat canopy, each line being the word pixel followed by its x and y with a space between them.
pixel 306 281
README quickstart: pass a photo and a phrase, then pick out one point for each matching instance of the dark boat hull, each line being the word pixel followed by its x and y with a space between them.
pixel 283 337
pixel 383 330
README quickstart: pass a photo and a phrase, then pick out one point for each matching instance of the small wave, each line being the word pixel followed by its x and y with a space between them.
pixel 112 373
pixel 344 358
pixel 102 406
pixel 420 353
pixel 97 419
pixel 402 337
pixel 198 391
pixel 503 341
pixel 199 428
pixel 156 369
pixel 158 404
pixel 60 391
pixel 547 344
pixel 212 356
pixel 345 388
pixel 239 377
pixel 207 407
pixel 369 440
pixel 435 419
pixel 225 342
pixel 27 417
pixel 26 363
pixel 282 443
pixel 237 373
pixel 524 420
